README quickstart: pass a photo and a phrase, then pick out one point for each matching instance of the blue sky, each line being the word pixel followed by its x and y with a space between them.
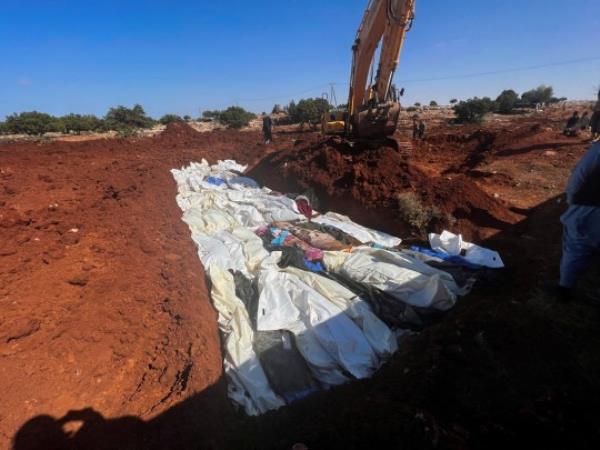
pixel 62 56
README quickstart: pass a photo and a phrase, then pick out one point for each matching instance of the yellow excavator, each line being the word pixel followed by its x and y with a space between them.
pixel 373 107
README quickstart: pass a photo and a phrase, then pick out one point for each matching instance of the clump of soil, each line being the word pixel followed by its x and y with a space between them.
pixel 365 181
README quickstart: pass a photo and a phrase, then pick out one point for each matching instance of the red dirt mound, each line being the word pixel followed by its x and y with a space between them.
pixel 365 183
pixel 178 133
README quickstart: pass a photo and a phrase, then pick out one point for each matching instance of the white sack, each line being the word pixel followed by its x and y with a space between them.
pixel 363 234
pixel 248 384
pixel 326 337
pixel 453 244
pixel 405 278
pixel 380 337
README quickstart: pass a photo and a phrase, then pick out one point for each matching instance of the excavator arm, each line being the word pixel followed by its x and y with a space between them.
pixel 371 112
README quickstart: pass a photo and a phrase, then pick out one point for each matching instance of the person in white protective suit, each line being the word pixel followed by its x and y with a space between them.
pixel 581 233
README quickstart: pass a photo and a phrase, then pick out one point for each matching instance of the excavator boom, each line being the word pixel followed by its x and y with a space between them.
pixel 372 110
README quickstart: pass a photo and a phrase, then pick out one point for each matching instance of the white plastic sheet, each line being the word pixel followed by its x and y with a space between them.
pixel 248 385
pixel 363 234
pixel 326 337
pixel 453 244
pixel 407 279
pixel 379 336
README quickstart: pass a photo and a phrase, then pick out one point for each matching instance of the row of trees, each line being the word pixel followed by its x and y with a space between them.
pixel 306 111
pixel 471 110
pixel 474 109
pixel 233 117
pixel 121 119
pixel 118 119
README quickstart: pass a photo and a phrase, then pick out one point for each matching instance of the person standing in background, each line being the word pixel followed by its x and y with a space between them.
pixel 422 129
pixel 267 128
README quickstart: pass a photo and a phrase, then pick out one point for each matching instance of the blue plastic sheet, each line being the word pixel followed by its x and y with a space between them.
pixel 314 266
pixel 216 181
pixel 454 259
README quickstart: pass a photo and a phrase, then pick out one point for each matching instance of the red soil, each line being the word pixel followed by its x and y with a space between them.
pixel 355 178
pixel 103 299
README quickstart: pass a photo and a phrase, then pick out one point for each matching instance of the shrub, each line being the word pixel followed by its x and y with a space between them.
pixel 411 109
pixel 121 117
pixel 453 101
pixel 418 216
pixel 308 110
pixel 433 103
pixel 473 109
pixel 235 117
pixel 78 123
pixel 168 118
pixel 417 105
pixel 541 94
pixel 33 122
pixel 506 101
pixel 187 118
pixel 126 132
pixel 210 115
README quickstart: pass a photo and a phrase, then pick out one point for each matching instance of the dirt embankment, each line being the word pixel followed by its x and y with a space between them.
pixel 365 183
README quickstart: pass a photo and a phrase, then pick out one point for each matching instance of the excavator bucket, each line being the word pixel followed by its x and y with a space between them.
pixel 376 122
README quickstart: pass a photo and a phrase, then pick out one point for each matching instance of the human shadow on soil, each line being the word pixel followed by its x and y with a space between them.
pixel 195 423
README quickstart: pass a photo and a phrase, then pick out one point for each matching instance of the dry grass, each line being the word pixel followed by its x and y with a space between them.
pixel 419 216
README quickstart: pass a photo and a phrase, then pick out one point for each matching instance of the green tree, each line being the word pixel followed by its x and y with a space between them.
pixel 308 110
pixel 433 103
pixel 168 118
pixel 290 106
pixel 33 122
pixel 77 123
pixel 235 117
pixel 473 109
pixel 277 109
pixel 417 105
pixel 453 101
pixel 187 118
pixel 506 101
pixel 541 94
pixel 210 114
pixel 121 117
